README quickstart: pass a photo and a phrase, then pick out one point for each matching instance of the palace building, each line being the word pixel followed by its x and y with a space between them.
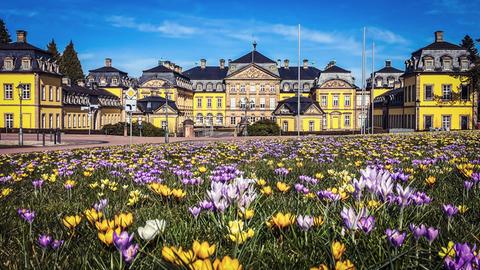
pixel 430 94
pixel 434 95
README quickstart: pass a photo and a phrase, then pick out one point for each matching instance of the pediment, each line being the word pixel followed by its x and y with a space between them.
pixel 156 83
pixel 252 72
pixel 313 110
pixel 161 110
pixel 282 110
pixel 336 83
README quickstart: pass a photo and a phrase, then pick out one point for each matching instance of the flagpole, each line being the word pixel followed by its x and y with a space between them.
pixel 363 85
pixel 372 84
pixel 298 90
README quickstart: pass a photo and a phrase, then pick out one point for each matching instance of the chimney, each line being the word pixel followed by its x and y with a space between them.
pixel 81 83
pixel 439 36
pixel 203 63
pixel 160 62
pixel 279 62
pixel 177 69
pixel 285 63
pixel 388 63
pixel 108 62
pixel 180 69
pixel 305 63
pixel 22 36
pixel 222 63
pixel 66 81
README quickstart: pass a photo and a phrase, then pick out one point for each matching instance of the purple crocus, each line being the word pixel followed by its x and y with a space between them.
pixel 304 222
pixel 195 211
pixel 130 252
pixel 26 214
pixel 123 240
pixel 395 237
pixel 206 205
pixel 431 233
pixel 44 240
pixel 450 210
pixel 56 244
pixel 418 231
pixel 100 205
pixel 468 185
pixel 366 224
pixel 37 183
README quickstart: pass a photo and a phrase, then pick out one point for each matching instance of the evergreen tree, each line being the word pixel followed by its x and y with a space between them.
pixel 473 74
pixel 4 35
pixel 469 44
pixel 52 48
pixel 70 65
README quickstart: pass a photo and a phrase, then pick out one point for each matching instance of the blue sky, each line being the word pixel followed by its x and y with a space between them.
pixel 136 34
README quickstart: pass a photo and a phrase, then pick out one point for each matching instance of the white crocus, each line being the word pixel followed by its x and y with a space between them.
pixel 152 228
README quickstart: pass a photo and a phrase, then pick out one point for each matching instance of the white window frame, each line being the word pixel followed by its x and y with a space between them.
pixel 26 94
pixel 8 91
pixel 324 100
pixel 446 119
pixel 272 103
pixel 347 102
pixel 219 102
pixel 199 102
pixel 9 120
pixel 233 103
pixel 209 103
pixel 446 91
pixel 335 100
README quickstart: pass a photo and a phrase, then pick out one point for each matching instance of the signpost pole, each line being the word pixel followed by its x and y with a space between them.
pixel 131 120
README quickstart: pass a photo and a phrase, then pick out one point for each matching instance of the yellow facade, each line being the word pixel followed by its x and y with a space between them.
pixel 338 103
pixel 283 96
pixel 208 105
pixel 41 103
pixel 307 123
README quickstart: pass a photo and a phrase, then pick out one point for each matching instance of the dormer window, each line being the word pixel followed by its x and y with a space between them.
pixel 391 81
pixel 199 87
pixel 103 81
pixel 429 64
pixel 26 64
pixel 379 83
pixel 209 87
pixel 286 87
pixel 114 81
pixel 8 63
pixel 90 79
pixel 464 64
pixel 447 64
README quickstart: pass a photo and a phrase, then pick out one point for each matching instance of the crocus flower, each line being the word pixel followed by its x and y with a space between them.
pixel 26 214
pixel 44 240
pixel 130 252
pixel 395 237
pixel 37 183
pixel 195 211
pixel 468 185
pixel 56 244
pixel 151 229
pixel 417 231
pixel 304 222
pixel 366 223
pixel 123 240
pixel 203 250
pixel 450 210
pixel 431 234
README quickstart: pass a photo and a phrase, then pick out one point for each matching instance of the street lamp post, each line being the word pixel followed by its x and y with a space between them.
pixel 166 116
pixel 243 101
pixel 20 131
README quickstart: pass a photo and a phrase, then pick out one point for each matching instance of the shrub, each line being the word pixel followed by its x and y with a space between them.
pixel 148 129
pixel 263 128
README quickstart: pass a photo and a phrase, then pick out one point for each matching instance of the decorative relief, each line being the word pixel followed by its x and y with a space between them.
pixel 252 73
pixel 153 83
pixel 336 84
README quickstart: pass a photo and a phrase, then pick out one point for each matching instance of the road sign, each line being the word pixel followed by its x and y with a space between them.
pixel 130 105
pixel 131 93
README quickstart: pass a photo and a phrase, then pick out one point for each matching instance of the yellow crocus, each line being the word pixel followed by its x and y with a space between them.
pixel 107 236
pixel 178 193
pixel 202 169
pixel 448 250
pixel 124 219
pixel 168 253
pixel 267 190
pixel 105 225
pixel 431 180
pixel 92 215
pixel 344 265
pixel 71 221
pixel 337 250
pixel 281 220
pixel 320 267
pixel 247 213
pixel 203 250
pixel 202 265
pixel 227 263
pixel 282 187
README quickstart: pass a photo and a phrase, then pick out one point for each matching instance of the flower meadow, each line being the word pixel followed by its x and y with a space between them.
pixel 384 201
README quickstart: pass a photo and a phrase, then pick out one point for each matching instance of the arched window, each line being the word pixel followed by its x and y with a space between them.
pixel 209 86
pixel 199 87
pixel 8 63
pixel 209 119
pixel 26 63
pixel 306 86
pixel 199 119
pixel 447 63
pixel 286 87
pixel 295 86
pixel 390 81
pixel 219 119
pixel 219 87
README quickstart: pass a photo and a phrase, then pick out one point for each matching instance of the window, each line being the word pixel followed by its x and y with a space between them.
pixel 26 91
pixel 379 82
pixel 242 88
pixel 446 120
pixel 347 101
pixel 324 101
pixel 219 102
pixel 272 88
pixel 219 87
pixel 429 64
pixel 232 88
pixel 252 88
pixel 306 86
pixel 464 64
pixel 262 103
pixel 9 120
pixel 114 81
pixel 57 120
pixel 311 126
pixel 447 91
pixel 50 93
pixel 8 91
pixel 324 122
pixel 149 104
pixel 43 93
pixel 8 64
pixel 272 103
pixel 57 93
pixel 74 120
pixel 199 102
pixel 464 95
pixel 252 103
pixel 447 64
pixel 209 86
pixel 164 125
pixel 428 92
pixel 286 87
pixel 219 119
pixel 199 119
pixel 209 102
pixel 44 119
pixel 335 101
pixel 427 120
pixel 50 120
pixel 262 88
pixel 285 126
pixel 243 102
pixel 26 64
pixel 199 87
pixel 347 120
pixel 233 120
pixel 209 119
pixel 233 103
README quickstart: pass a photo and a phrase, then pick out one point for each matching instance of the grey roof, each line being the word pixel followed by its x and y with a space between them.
pixel 440 45
pixel 207 73
pixel 335 69
pixel 257 58
pixel 18 50
pixel 156 102
pixel 389 70
pixel 88 91
pixel 292 104
pixel 21 46
pixel 393 97
pixel 107 69
pixel 163 69
pixel 291 73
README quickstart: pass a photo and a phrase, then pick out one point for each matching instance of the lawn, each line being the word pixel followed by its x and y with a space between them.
pixel 384 201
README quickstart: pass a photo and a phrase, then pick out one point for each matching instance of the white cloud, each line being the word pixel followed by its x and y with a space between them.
pixel 16 12
pixel 386 36
pixel 86 56
pixel 166 27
